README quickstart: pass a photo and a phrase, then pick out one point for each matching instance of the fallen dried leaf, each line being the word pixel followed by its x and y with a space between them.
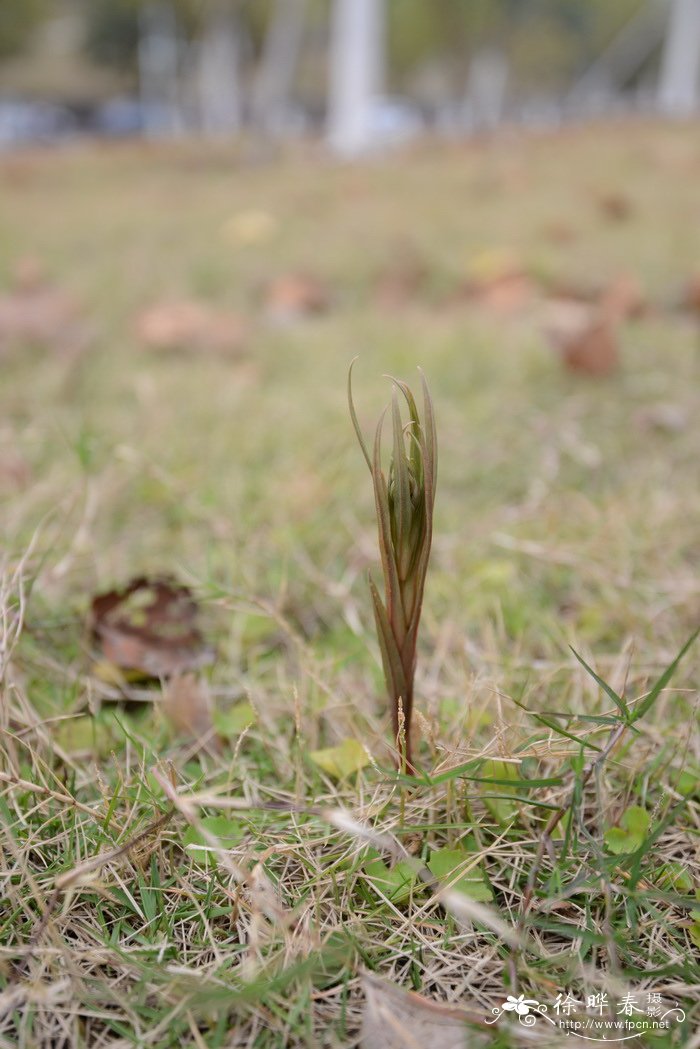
pixel 295 295
pixel 615 206
pixel 584 338
pixel 559 231
pixel 36 313
pixel 150 626
pixel 623 298
pixel 187 706
pixel 398 1019
pixel 498 282
pixel 187 324
pixel 691 295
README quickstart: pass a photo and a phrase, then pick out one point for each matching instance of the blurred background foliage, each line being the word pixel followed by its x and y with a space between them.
pixel 546 42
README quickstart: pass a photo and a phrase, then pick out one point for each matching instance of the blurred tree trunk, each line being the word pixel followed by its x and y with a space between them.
pixel 278 66
pixel 680 67
pixel 158 63
pixel 217 69
pixel 356 73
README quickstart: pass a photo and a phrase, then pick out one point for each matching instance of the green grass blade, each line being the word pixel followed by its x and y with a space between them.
pixel 660 685
pixel 609 691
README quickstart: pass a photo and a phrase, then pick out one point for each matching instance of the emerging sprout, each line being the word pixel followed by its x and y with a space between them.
pixel 404 506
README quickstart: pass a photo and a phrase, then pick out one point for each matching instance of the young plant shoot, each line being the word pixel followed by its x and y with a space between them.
pixel 404 507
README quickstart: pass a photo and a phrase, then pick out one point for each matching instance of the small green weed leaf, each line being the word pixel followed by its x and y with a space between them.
pixel 445 864
pixel 503 810
pixel 397 883
pixel 630 835
pixel 695 934
pixel 230 723
pixel 228 833
pixel 617 841
pixel 688 783
pixel 695 927
pixel 675 876
pixel 342 761
pixel 76 734
pixel 636 820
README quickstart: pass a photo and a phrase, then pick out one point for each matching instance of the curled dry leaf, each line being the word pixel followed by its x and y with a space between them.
pixel 398 1019
pixel 585 338
pixel 187 324
pixel 150 626
pixel 295 295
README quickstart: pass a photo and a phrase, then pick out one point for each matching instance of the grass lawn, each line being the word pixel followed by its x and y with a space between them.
pixel 159 890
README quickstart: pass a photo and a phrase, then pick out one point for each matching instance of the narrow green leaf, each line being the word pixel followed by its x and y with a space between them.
pixel 555 728
pixel 402 513
pixel 609 691
pixel 386 547
pixel 660 685
pixel 391 657
pixel 353 416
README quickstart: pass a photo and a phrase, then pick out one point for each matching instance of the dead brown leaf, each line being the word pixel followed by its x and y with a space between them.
pixel 188 324
pixel 151 627
pixel 187 705
pixel 497 282
pixel 615 205
pixel 398 1019
pixel 558 231
pixel 691 295
pixel 295 295
pixel 36 312
pixel 623 298
pixel 585 338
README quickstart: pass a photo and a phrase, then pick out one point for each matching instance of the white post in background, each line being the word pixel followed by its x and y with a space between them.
pixel 158 60
pixel 356 73
pixel 680 65
pixel 217 66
